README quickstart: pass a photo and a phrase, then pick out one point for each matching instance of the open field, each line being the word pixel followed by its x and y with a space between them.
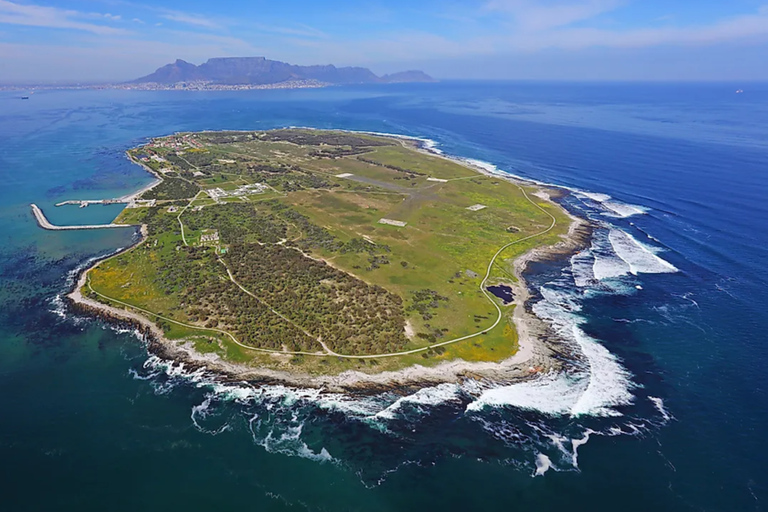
pixel 305 271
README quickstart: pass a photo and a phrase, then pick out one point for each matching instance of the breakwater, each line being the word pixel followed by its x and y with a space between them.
pixel 43 222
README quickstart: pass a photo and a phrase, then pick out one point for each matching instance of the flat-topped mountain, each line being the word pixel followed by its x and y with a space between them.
pixel 408 76
pixel 262 71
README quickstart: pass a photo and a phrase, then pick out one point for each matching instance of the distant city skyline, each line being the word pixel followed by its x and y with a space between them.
pixel 115 40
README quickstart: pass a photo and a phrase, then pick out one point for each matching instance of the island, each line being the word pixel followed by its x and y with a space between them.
pixel 332 259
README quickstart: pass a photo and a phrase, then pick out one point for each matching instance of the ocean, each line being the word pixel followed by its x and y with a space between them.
pixel 665 404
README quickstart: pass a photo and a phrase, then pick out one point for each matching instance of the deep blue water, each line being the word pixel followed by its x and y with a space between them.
pixel 669 308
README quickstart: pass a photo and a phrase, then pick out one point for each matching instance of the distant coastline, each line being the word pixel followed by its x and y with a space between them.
pixel 242 74
pixel 177 86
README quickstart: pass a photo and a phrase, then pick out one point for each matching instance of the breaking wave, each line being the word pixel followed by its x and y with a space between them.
pixel 595 385
pixel 615 254
pixel 612 207
pixel 640 258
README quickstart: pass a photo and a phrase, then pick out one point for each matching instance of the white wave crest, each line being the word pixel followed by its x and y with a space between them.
pixel 431 146
pixel 613 208
pixel 58 307
pixel 285 439
pixel 543 463
pixel 423 398
pixel 595 389
pixel 575 443
pixel 658 403
pixel 640 258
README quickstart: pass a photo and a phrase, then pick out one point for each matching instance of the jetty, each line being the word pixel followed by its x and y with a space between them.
pixel 43 222
pixel 85 202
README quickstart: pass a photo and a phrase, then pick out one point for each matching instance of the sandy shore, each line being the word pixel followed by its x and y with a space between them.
pixel 149 186
pixel 535 354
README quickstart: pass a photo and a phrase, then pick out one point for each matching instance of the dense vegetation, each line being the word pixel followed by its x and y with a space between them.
pixel 194 275
pixel 390 166
pixel 239 222
pixel 318 138
pixel 172 188
pixel 349 315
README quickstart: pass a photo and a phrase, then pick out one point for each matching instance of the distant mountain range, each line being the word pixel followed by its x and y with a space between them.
pixel 262 71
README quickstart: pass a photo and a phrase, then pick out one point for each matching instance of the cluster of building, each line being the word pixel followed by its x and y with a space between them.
pixel 177 142
pixel 209 238
pixel 217 194
pixel 391 222
pixel 210 86
pixel 141 203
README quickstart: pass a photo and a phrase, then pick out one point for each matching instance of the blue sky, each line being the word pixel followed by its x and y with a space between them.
pixel 67 40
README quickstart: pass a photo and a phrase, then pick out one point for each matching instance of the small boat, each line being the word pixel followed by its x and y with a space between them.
pixel 25 97
pixel 739 91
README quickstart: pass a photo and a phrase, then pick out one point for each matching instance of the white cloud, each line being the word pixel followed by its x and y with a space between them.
pixel 738 28
pixel 420 46
pixel 532 15
pixel 191 19
pixel 50 17
pixel 112 59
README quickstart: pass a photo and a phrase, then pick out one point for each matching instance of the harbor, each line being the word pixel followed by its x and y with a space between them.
pixel 44 223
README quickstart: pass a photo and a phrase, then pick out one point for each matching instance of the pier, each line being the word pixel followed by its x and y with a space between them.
pixel 43 222
pixel 85 202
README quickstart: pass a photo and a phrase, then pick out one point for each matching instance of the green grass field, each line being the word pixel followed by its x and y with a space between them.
pixel 435 263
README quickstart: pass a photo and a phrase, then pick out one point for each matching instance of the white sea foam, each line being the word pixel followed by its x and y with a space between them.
pixel 553 394
pixel 613 208
pixel 640 258
pixel 608 266
pixel 59 309
pixel 431 146
pixel 286 441
pixel 200 412
pixel 575 443
pixel 582 269
pixel 595 389
pixel 615 254
pixel 596 197
pixel 486 166
pixel 623 210
pixel 543 463
pixel 422 399
pixel 609 383
pixel 658 403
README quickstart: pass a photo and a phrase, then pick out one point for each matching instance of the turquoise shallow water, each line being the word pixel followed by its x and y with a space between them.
pixel 666 408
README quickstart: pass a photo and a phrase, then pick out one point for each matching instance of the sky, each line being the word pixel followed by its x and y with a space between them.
pixel 113 40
